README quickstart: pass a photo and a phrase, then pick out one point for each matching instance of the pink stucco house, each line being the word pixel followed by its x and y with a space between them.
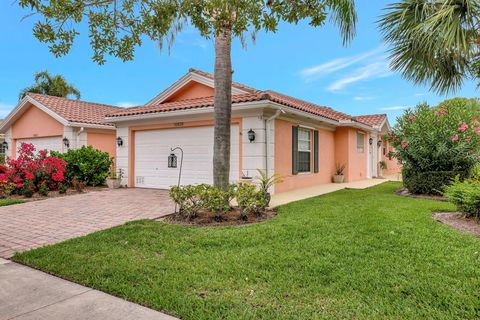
pixel 58 124
pixel 299 140
pixel 270 131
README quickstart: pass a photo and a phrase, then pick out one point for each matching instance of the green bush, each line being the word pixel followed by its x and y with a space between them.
pixel 440 139
pixel 189 198
pixel 88 165
pixel 217 200
pixel 476 172
pixel 250 200
pixel 28 189
pixel 430 182
pixel 466 196
pixel 43 190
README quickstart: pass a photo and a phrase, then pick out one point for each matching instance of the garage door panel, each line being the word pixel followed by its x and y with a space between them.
pixel 153 147
pixel 46 143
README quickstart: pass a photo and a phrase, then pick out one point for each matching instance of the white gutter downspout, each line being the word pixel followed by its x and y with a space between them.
pixel 78 136
pixel 267 121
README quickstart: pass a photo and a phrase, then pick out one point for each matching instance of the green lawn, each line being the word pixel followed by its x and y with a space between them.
pixel 9 202
pixel 352 254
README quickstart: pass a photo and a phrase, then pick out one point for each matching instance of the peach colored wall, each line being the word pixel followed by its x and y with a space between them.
pixel 192 90
pixel 283 158
pixel 342 147
pixel 36 123
pixel 357 163
pixel 104 140
pixel 393 166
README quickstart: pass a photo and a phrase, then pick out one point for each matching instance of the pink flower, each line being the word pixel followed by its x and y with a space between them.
pixel 455 138
pixel 478 157
pixel 412 117
pixel 404 144
pixel 463 127
pixel 440 112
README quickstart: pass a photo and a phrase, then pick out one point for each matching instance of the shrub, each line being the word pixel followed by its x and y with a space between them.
pixel 430 182
pixel 442 139
pixel 466 196
pixel 250 200
pixel 62 188
pixel 29 171
pixel 43 190
pixel 217 200
pixel 476 173
pixel 189 198
pixel 87 165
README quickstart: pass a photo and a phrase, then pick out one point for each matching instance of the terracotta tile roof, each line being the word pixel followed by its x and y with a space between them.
pixel 76 110
pixel 371 119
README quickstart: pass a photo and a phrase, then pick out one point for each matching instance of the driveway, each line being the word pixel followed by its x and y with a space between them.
pixel 39 223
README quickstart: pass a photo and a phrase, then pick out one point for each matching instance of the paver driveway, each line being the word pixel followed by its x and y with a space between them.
pixel 38 223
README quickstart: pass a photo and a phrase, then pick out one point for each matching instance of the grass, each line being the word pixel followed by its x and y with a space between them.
pixel 9 202
pixel 352 254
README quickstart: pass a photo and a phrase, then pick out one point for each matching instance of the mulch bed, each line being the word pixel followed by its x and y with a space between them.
pixel 405 193
pixel 232 218
pixel 55 194
pixel 458 221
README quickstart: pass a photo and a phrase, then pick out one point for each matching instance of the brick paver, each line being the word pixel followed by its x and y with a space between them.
pixel 39 223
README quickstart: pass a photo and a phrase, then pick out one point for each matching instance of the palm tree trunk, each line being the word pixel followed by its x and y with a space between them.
pixel 222 108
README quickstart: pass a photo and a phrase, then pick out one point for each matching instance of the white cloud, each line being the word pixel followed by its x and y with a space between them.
pixel 126 104
pixel 337 64
pixel 373 70
pixel 363 98
pixel 5 109
pixel 394 108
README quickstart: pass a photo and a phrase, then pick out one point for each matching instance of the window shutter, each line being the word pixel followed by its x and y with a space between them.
pixel 315 151
pixel 294 150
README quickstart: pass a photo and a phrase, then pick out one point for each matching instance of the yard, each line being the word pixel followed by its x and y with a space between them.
pixel 9 202
pixel 355 254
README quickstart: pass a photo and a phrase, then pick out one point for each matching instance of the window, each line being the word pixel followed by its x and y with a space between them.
pixel 304 150
pixel 2 149
pixel 360 142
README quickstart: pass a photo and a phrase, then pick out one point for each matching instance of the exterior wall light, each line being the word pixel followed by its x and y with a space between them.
pixel 251 135
pixel 119 141
pixel 5 145
pixel 370 141
pixel 172 160
pixel 66 142
pixel 379 143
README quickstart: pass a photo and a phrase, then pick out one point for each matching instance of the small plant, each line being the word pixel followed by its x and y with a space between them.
pixel 43 190
pixel 466 196
pixel 217 200
pixel 28 189
pixel 189 198
pixel 383 165
pixel 266 182
pixel 62 188
pixel 339 168
pixel 78 185
pixel 250 200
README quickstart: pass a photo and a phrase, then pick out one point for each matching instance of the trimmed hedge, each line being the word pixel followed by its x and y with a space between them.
pixel 466 196
pixel 430 182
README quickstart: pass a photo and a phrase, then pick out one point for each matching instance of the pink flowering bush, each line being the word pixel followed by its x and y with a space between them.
pixel 32 171
pixel 443 141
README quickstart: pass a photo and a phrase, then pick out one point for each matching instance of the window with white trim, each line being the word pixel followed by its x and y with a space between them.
pixel 304 150
pixel 360 142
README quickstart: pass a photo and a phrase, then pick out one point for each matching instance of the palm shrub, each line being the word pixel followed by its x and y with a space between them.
pixel 86 165
pixel 265 183
pixel 436 144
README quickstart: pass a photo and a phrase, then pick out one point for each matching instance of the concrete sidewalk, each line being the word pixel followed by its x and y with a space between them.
pixel 304 193
pixel 26 293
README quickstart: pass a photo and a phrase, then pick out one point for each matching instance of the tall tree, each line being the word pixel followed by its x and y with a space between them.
pixel 434 42
pixel 56 86
pixel 117 27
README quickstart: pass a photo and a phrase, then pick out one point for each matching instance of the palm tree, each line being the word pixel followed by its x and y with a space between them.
pixel 434 42
pixel 50 85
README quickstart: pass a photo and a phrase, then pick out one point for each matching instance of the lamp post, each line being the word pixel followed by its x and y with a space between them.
pixel 172 163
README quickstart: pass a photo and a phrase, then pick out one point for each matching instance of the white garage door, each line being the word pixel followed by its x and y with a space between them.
pixel 48 143
pixel 152 149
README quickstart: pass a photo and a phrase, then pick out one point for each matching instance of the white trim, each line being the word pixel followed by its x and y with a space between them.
pixel 91 126
pixel 180 83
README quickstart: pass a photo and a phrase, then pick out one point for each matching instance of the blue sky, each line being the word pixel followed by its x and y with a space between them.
pixel 305 62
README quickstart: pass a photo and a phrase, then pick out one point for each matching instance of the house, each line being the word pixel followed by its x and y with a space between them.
pixel 270 131
pixel 58 124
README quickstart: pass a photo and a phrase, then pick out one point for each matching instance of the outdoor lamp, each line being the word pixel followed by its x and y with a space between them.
pixel 5 145
pixel 66 143
pixel 370 141
pixel 119 141
pixel 172 160
pixel 251 135
pixel 379 143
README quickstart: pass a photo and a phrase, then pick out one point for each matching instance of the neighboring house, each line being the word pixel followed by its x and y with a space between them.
pixel 58 124
pixel 270 131
pixel 2 145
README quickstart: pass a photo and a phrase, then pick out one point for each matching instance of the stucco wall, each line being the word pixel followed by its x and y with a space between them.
pixel 283 158
pixel 346 153
pixel 36 123
pixel 192 90
pixel 104 140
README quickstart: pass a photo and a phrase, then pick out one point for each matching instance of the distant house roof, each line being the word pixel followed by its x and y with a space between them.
pixel 76 110
pixel 373 120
